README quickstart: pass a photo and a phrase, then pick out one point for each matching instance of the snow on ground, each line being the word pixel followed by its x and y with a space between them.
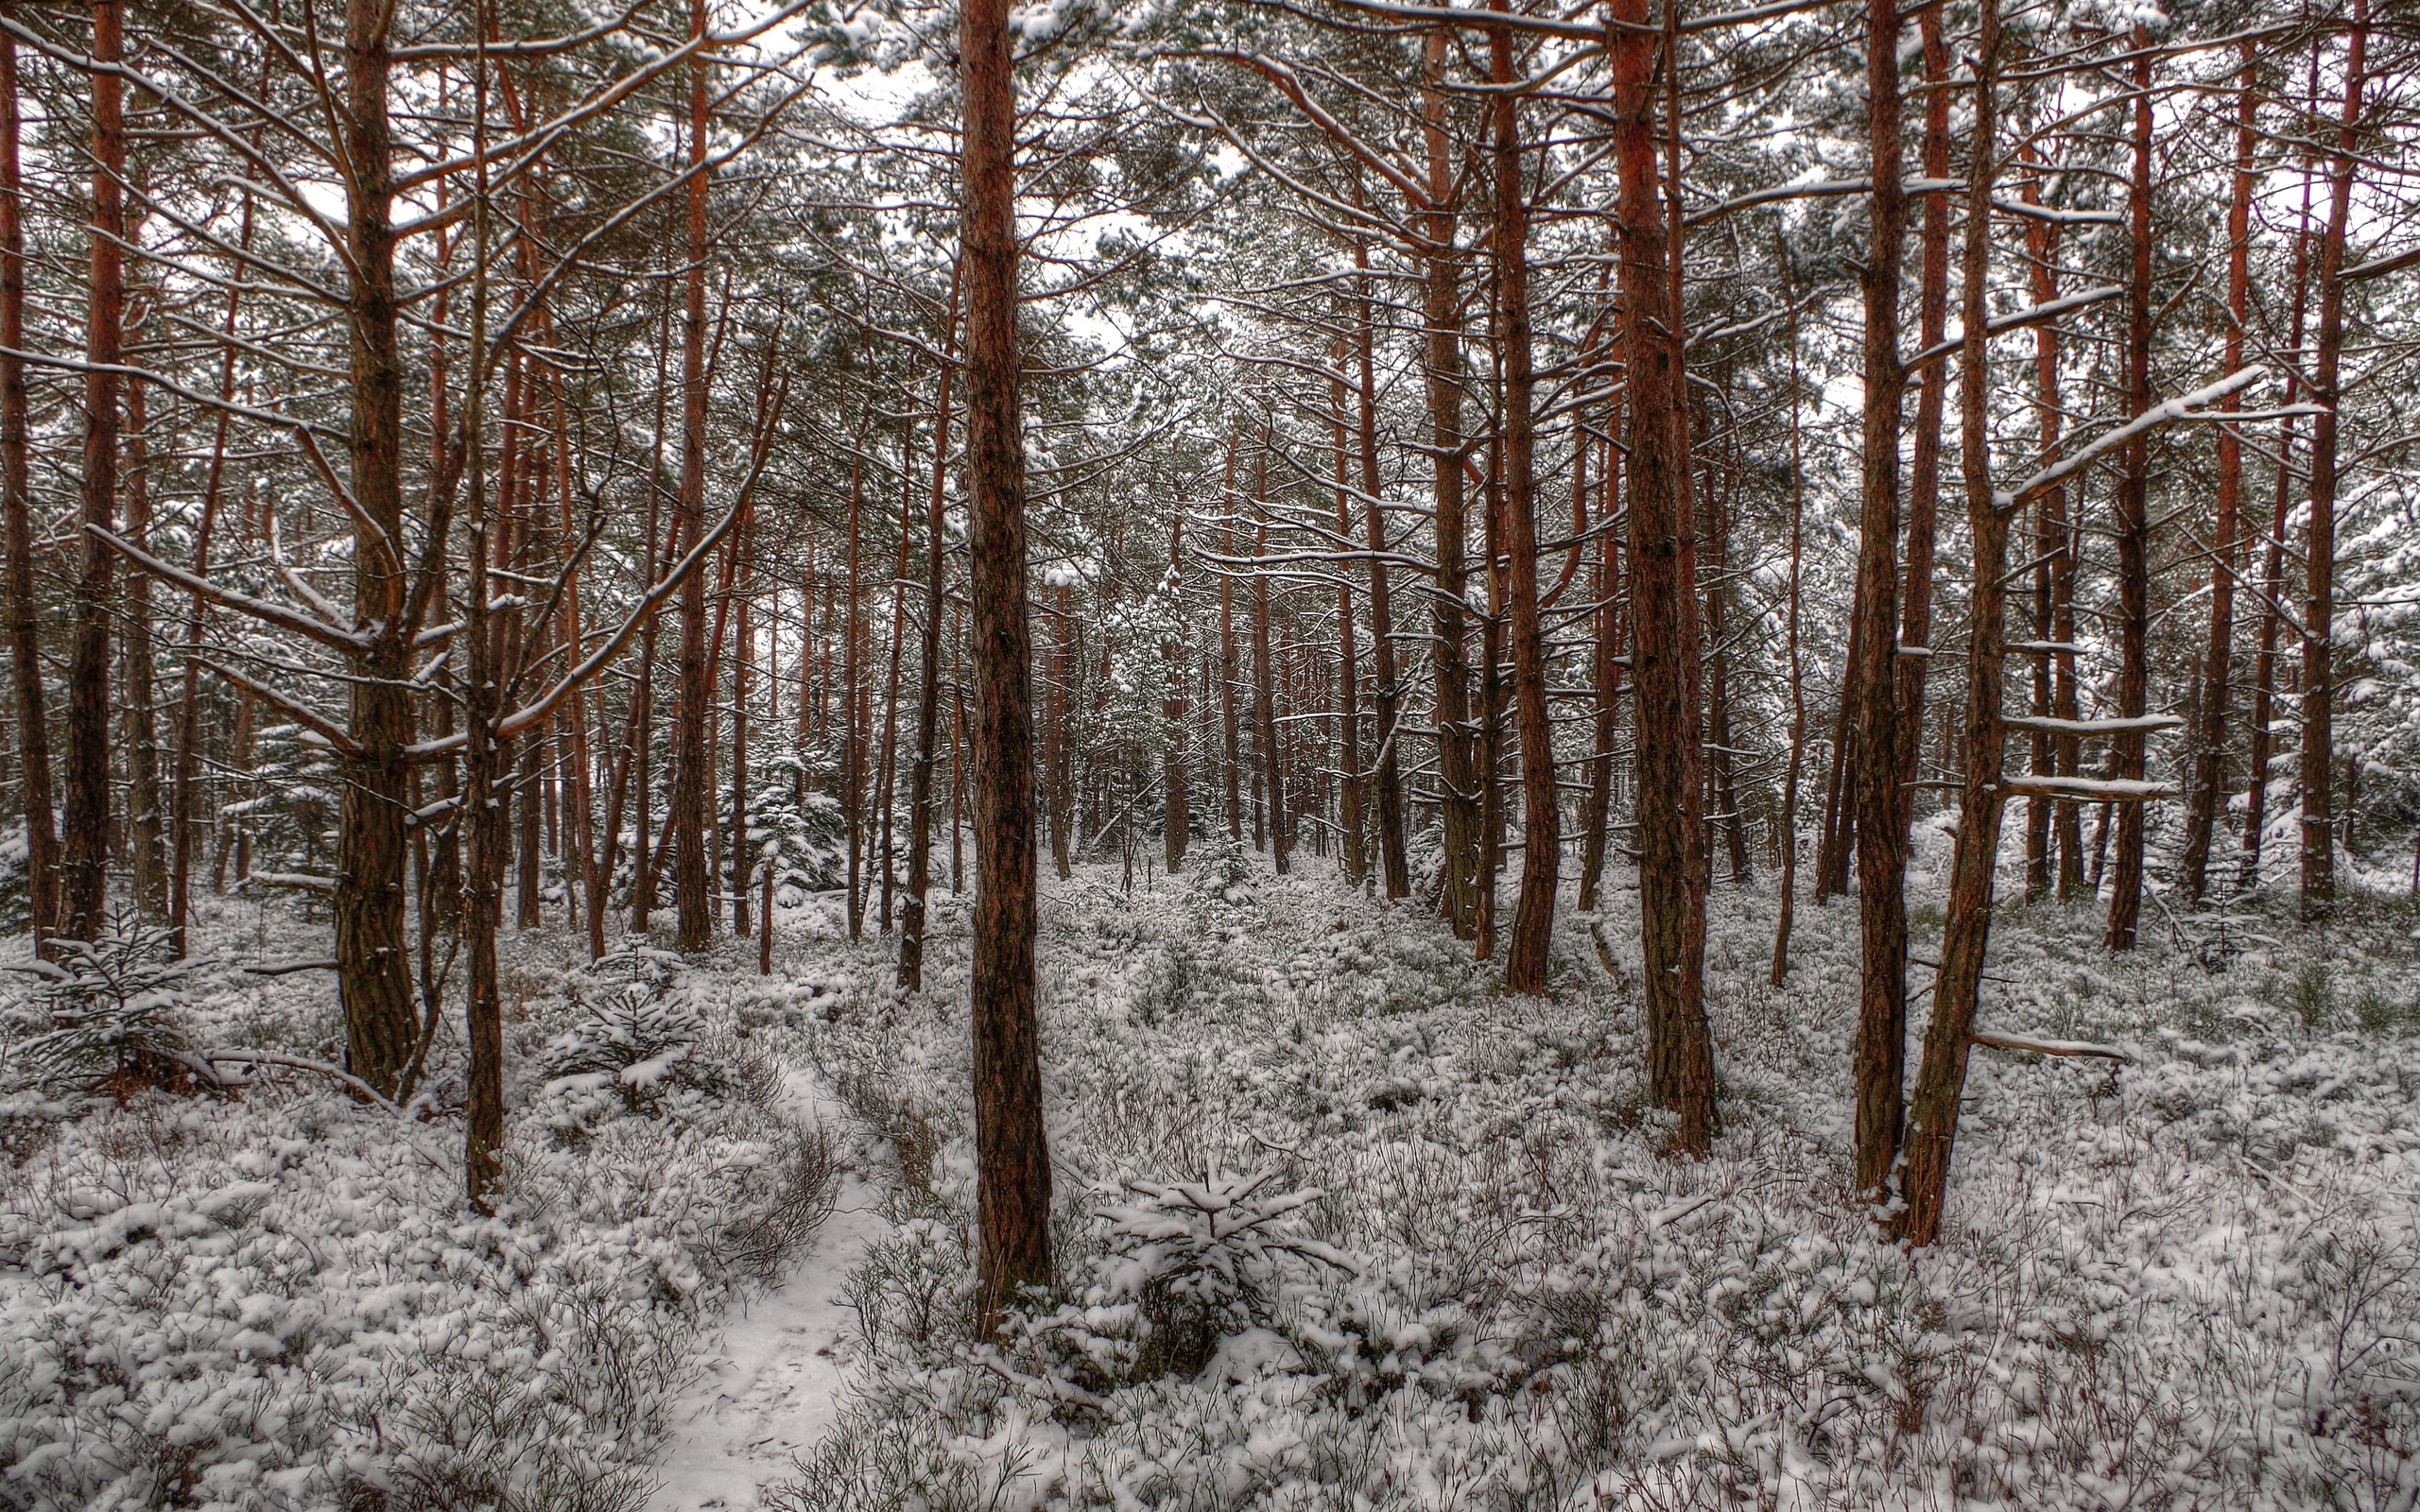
pixel 771 1383
pixel 1342 1226
pixel 1475 1283
pixel 277 1300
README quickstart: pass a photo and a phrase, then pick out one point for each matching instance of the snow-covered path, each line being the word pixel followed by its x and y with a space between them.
pixel 771 1384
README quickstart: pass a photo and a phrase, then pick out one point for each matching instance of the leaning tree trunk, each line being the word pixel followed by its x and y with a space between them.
pixel 1670 801
pixel 1933 1115
pixel 1012 1158
pixel 86 862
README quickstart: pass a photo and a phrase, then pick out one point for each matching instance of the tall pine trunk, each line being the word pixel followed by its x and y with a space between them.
pixel 1881 852
pixel 33 722
pixel 1012 1158
pixel 2133 502
pixel 1941 1079
pixel 692 760
pixel 2210 756
pixel 2319 551
pixel 85 872
pixel 1525 963
pixel 1457 777
pixel 1670 798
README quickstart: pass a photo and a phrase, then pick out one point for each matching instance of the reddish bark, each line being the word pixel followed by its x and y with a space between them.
pixel 2318 550
pixel 1941 1079
pixel 2209 775
pixel 2132 502
pixel 1012 1157
pixel 1670 801
pixel 1525 963
pixel 85 871
pixel 1881 851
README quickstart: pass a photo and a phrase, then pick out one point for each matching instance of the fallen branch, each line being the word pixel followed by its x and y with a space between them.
pixel 2000 1039
pixel 266 1057
pixel 289 879
pixel 288 968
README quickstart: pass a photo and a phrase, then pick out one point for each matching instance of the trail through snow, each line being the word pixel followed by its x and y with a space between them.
pixel 772 1386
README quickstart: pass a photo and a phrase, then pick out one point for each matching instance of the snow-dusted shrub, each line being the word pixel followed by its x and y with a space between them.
pixel 1216 866
pixel 1183 1265
pixel 16 879
pixel 632 1041
pixel 789 1197
pixel 108 1014
pixel 2192 1284
pixel 277 1303
pixel 797 828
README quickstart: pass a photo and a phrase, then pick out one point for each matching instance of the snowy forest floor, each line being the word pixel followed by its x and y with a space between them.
pixel 1342 1227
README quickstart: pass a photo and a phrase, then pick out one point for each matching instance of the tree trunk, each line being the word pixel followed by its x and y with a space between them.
pixel 743 662
pixel 1229 669
pixel 853 753
pixel 147 850
pixel 33 722
pixel 1264 684
pixel 1393 863
pixel 374 963
pixel 1670 799
pixel 1797 669
pixel 87 836
pixel 1605 671
pixel 1524 964
pixel 1457 779
pixel 1176 820
pixel 1881 851
pixel 1011 1158
pixel 2319 609
pixel 1941 1079
pixel 2210 757
pixel 2272 577
pixel 2132 506
pixel 1348 706
pixel 919 782
pixel 887 789
pixel 1924 461
pixel 692 760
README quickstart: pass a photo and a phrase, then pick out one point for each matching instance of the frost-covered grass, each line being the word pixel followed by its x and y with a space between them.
pixel 274 1297
pixel 2194 1282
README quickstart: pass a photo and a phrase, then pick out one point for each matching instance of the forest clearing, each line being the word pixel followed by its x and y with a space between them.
pixel 1295 754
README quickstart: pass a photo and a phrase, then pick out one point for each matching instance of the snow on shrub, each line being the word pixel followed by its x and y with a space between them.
pixel 2194 1285
pixel 108 1014
pixel 277 1303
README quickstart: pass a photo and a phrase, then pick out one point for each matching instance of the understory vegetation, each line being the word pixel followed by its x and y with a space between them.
pixel 265 1292
pixel 1451 1271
